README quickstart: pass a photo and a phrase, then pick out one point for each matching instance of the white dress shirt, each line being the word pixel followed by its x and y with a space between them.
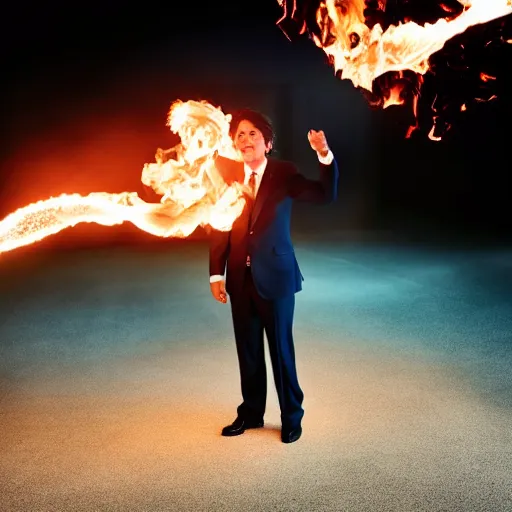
pixel 326 160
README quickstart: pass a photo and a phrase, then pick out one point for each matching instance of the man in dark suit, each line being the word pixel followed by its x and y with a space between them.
pixel 261 271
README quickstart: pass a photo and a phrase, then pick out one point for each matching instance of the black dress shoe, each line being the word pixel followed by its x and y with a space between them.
pixel 239 426
pixel 290 435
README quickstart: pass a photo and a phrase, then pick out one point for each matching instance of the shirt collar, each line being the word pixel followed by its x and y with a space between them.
pixel 259 170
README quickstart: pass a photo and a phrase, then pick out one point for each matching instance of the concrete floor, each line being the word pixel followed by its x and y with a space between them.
pixel 118 371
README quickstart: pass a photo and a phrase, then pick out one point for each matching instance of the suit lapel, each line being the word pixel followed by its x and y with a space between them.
pixel 263 192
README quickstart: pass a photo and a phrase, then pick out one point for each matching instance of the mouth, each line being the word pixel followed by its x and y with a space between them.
pixel 247 148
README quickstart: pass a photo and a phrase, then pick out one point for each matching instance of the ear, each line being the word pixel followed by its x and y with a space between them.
pixel 268 147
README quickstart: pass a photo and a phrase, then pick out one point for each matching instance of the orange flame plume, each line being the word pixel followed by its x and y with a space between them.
pixel 193 190
pixel 361 54
pixel 404 47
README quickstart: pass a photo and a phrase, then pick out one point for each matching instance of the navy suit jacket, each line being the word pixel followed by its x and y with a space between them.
pixel 264 232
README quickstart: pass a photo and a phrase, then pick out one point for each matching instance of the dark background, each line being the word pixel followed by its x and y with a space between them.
pixel 87 88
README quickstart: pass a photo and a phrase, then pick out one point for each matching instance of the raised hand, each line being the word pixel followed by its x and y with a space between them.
pixel 318 142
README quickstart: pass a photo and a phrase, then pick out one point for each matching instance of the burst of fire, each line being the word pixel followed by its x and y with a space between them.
pixel 362 54
pixel 187 176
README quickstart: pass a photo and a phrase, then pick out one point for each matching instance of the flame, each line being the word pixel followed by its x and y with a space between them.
pixel 363 54
pixel 395 96
pixel 193 190
pixel 431 135
pixel 486 78
pixel 485 100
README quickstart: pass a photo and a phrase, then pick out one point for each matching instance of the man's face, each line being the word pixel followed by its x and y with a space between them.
pixel 251 143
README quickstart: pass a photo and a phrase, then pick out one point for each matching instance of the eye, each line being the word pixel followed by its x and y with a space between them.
pixel 354 40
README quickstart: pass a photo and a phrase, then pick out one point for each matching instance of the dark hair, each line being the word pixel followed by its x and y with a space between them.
pixel 259 120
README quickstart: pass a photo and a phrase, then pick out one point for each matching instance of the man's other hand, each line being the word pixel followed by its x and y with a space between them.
pixel 318 142
pixel 218 289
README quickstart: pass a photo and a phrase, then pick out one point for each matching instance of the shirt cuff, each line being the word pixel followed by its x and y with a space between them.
pixel 327 159
pixel 215 278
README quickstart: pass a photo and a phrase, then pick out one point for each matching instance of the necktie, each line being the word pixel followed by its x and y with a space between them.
pixel 252 190
pixel 252 183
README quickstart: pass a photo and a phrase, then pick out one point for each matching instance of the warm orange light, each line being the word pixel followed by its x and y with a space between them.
pixel 407 46
pixel 486 78
pixel 194 192
pixel 361 54
pixel 394 97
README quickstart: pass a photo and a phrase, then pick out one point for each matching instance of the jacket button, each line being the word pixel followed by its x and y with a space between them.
pixel 251 232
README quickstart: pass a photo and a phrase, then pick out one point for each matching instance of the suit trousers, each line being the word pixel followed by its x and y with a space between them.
pixel 252 317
